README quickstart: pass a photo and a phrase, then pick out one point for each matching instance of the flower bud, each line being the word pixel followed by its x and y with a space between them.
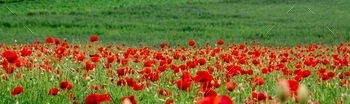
pixel 282 91
pixel 303 94
pixel 126 101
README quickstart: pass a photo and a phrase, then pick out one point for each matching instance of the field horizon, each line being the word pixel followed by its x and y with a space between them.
pixel 272 22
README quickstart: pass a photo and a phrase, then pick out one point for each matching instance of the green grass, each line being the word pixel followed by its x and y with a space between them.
pixel 151 22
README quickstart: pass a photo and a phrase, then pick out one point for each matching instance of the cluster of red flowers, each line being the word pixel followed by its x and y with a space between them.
pixel 200 69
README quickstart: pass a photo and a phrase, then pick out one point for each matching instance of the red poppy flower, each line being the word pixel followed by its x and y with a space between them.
pixel 57 41
pixel 162 68
pixel 322 70
pixel 293 86
pixel 65 85
pixel 306 73
pixel 60 50
pixel 89 66
pixel 347 73
pixel 164 92
pixel 324 76
pixel 258 81
pixel 256 61
pixel 208 92
pixel 10 56
pixel 153 76
pixel 298 78
pixel 146 70
pixel 230 86
pixel 341 76
pixel 110 59
pixel 93 38
pixel 71 96
pixel 259 96
pixel 148 63
pixel 95 59
pixel 201 61
pixel 223 99
pixel 191 42
pixel 163 45
pixel 8 68
pixel 53 91
pixel 49 40
pixel 203 76
pixel 26 51
pixel 97 98
pixel 130 81
pixel 344 83
pixel 121 71
pixel 80 57
pixel 220 42
pixel 184 85
pixel 186 76
pixel 17 90
pixel 129 100
pixel 330 74
pixel 137 87
pixel 209 100
pixel 249 72
pixel 170 101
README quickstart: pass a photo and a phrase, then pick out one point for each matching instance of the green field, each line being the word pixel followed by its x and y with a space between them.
pixel 150 22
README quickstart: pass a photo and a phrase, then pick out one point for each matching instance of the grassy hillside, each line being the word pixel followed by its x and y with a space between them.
pixel 151 22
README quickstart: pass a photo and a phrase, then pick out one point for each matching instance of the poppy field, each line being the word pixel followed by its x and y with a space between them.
pixel 56 71
pixel 174 52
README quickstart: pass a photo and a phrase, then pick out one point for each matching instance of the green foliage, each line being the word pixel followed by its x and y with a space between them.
pixel 151 22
